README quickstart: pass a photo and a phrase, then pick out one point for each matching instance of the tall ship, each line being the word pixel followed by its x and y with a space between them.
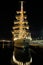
pixel 21 27
pixel 21 37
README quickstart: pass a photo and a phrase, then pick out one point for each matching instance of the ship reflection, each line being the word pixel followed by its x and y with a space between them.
pixel 8 55
pixel 22 53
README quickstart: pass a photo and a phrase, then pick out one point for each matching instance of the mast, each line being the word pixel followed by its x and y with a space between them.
pixel 21 26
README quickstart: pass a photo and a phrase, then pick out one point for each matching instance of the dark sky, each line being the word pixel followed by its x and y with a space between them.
pixel 8 12
pixel 38 18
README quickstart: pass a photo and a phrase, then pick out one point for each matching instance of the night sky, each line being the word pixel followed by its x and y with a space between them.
pixel 34 17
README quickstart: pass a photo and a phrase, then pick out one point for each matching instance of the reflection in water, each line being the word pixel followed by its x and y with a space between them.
pixel 21 63
pixel 22 56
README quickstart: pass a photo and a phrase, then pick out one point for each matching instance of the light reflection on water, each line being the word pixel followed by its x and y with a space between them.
pixel 21 63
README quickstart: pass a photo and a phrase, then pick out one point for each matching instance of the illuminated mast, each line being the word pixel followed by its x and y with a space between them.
pixel 20 33
pixel 21 26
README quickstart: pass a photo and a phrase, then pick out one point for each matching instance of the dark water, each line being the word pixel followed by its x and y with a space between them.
pixel 6 55
pixel 37 55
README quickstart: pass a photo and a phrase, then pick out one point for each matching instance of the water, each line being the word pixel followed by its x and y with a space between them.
pixel 7 53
